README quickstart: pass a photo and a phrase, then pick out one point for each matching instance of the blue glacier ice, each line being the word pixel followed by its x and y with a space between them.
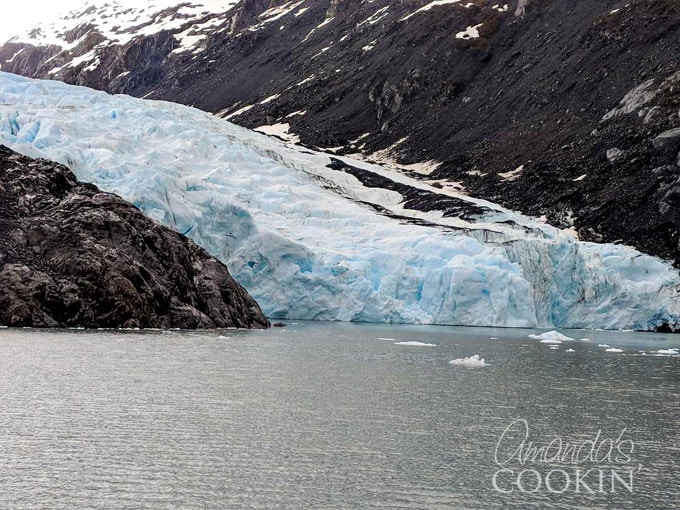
pixel 305 240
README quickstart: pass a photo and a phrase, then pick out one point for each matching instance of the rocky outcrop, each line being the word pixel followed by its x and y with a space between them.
pixel 73 256
pixel 246 13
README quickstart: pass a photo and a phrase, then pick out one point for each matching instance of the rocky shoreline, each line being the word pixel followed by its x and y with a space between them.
pixel 73 256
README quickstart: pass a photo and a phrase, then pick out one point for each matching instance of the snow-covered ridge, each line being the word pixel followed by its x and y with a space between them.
pixel 119 22
pixel 312 242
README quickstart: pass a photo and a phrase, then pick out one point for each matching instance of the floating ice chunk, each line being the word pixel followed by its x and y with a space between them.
pixel 613 349
pixel 668 351
pixel 606 346
pixel 551 335
pixel 387 338
pixel 550 341
pixel 472 362
pixel 585 340
pixel 222 337
pixel 554 347
pixel 494 338
pixel 570 350
pixel 415 344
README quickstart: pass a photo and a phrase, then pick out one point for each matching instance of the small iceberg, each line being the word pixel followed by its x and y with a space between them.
pixel 222 337
pixel 415 344
pixel 554 347
pixel 471 362
pixel 585 340
pixel 606 346
pixel 669 352
pixel 570 350
pixel 551 335
pixel 551 342
pixel 613 349
pixel 387 338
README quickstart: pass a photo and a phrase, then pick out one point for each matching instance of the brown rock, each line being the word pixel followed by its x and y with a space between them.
pixel 72 256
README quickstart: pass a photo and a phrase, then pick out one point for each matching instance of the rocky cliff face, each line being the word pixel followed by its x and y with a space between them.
pixel 557 109
pixel 72 256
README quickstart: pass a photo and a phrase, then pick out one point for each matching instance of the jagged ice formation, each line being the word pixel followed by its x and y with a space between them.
pixel 313 237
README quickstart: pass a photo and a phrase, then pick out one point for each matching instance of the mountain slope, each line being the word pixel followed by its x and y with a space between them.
pixel 318 237
pixel 72 256
pixel 112 46
pixel 508 101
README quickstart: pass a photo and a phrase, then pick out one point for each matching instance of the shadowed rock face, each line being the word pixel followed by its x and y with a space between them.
pixel 73 256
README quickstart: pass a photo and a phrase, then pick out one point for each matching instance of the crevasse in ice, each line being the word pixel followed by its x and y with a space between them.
pixel 305 240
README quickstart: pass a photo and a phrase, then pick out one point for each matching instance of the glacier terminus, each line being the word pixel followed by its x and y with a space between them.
pixel 311 240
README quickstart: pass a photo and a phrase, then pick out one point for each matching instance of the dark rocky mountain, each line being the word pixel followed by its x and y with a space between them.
pixel 555 108
pixel 73 256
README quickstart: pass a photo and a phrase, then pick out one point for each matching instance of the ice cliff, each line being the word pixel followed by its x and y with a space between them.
pixel 313 237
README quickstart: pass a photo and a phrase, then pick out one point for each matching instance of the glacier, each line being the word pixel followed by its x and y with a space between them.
pixel 312 242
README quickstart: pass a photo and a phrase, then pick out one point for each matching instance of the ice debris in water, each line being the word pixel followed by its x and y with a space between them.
pixel 415 344
pixel 613 349
pixel 551 337
pixel 670 352
pixel 472 362
pixel 570 350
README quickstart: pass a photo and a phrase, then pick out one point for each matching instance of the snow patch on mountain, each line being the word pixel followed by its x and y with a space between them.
pixel 274 14
pixel 310 241
pixel 119 22
pixel 280 130
pixel 430 6
pixel 471 32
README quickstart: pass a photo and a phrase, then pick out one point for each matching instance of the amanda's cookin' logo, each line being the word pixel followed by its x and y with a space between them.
pixel 596 465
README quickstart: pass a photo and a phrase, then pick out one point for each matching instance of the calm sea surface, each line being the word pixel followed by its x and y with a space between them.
pixel 321 415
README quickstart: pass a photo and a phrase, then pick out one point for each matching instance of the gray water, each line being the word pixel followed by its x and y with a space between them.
pixel 320 415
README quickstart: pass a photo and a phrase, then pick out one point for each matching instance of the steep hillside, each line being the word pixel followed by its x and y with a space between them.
pixel 548 107
pixel 73 256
